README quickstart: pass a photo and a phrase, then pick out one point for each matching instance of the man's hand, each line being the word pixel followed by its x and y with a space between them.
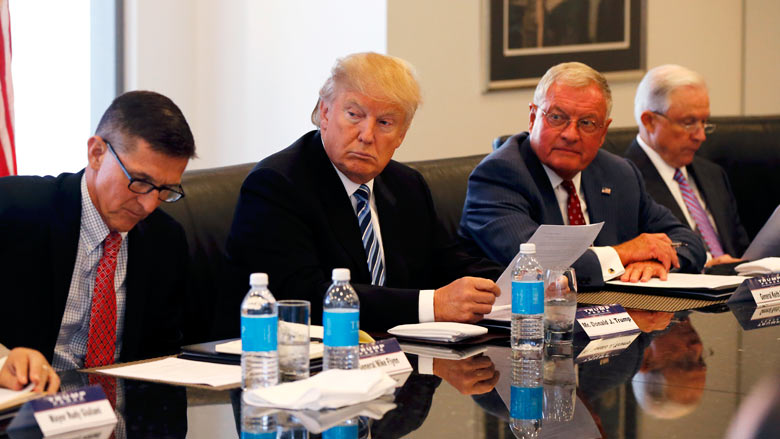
pixel 28 365
pixel 644 271
pixel 722 259
pixel 648 247
pixel 471 376
pixel 465 300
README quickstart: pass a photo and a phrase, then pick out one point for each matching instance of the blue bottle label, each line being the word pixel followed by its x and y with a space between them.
pixel 527 297
pixel 525 402
pixel 341 327
pixel 341 432
pixel 266 435
pixel 258 333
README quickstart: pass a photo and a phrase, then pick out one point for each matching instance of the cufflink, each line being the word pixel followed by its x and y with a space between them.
pixel 611 270
pixel 606 191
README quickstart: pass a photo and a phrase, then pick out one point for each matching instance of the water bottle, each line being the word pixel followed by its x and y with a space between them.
pixel 259 358
pixel 257 423
pixel 527 301
pixel 341 322
pixel 526 394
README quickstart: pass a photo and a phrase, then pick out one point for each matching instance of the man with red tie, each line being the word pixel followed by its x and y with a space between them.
pixel 557 174
pixel 93 273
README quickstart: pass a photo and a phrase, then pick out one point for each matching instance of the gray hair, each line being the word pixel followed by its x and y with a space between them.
pixel 573 74
pixel 381 77
pixel 654 89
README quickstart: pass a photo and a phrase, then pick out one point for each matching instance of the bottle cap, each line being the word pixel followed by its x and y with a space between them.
pixel 341 274
pixel 258 279
pixel 528 248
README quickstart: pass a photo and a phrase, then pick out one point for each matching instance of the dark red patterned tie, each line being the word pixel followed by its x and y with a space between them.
pixel 573 207
pixel 101 343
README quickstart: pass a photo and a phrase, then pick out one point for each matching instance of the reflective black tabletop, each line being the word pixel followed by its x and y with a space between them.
pixel 685 375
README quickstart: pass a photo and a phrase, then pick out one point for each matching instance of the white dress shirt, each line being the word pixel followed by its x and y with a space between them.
pixel 611 267
pixel 425 300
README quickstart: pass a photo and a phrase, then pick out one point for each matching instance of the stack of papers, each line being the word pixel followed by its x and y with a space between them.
pixel 683 281
pixel 179 371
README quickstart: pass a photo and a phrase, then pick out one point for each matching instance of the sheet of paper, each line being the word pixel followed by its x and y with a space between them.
pixel 684 281
pixel 176 370
pixel 555 246
pixel 233 347
pixel 9 397
pixel 767 242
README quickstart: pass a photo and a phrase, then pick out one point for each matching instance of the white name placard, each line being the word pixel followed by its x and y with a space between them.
pixel 605 347
pixel 764 290
pixel 385 355
pixel 71 411
pixel 605 321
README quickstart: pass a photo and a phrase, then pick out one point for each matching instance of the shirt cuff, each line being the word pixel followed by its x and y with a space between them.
pixel 425 308
pixel 611 267
pixel 2 361
pixel 424 365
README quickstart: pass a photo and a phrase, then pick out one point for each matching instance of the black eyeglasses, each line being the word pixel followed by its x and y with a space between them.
pixel 140 186
pixel 560 120
pixel 690 126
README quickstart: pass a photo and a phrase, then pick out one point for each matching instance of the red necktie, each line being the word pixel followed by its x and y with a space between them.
pixel 101 343
pixel 573 207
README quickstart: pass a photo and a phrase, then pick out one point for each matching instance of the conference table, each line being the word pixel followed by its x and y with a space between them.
pixel 686 375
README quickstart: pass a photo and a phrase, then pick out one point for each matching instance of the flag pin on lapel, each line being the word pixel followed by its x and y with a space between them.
pixel 606 191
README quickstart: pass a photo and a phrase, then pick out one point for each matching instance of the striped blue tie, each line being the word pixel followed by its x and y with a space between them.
pixel 699 215
pixel 370 243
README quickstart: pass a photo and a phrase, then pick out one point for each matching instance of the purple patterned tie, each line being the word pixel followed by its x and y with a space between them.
pixel 699 215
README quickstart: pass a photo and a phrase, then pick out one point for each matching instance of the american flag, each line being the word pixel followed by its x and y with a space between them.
pixel 7 152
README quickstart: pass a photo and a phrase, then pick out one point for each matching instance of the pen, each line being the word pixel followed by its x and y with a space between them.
pixel 676 244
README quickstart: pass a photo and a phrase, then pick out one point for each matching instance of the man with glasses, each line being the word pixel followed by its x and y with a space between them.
pixel 557 174
pixel 671 107
pixel 92 271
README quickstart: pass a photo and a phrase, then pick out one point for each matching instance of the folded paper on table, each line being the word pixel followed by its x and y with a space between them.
pixel 556 246
pixel 438 331
pixel 179 371
pixel 760 266
pixel 330 389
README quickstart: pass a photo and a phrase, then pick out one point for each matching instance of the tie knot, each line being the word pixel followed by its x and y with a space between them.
pixel 362 193
pixel 678 176
pixel 569 186
pixel 111 244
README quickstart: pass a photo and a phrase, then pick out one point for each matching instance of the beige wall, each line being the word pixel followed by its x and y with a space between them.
pixel 246 73
pixel 443 39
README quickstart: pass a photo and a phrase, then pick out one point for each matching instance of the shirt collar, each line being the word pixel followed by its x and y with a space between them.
pixel 93 229
pixel 664 170
pixel 556 180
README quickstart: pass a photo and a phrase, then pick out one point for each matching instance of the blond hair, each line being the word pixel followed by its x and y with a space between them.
pixel 381 77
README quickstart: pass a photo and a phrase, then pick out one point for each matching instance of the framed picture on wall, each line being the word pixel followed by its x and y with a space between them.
pixel 527 37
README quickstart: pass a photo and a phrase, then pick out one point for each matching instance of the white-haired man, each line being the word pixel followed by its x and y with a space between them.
pixel 334 198
pixel 557 174
pixel 672 108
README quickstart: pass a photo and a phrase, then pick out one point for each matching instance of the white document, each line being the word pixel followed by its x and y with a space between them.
pixel 177 370
pixel 684 281
pixel 233 347
pixel 767 242
pixel 760 266
pixel 556 246
pixel 8 396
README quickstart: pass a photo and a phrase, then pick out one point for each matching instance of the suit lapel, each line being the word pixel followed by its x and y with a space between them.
pixel 337 208
pixel 396 269
pixel 65 231
pixel 653 182
pixel 137 286
pixel 551 213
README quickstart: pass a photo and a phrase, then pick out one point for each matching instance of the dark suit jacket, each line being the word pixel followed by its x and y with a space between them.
pixel 509 196
pixel 294 221
pixel 714 187
pixel 40 219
